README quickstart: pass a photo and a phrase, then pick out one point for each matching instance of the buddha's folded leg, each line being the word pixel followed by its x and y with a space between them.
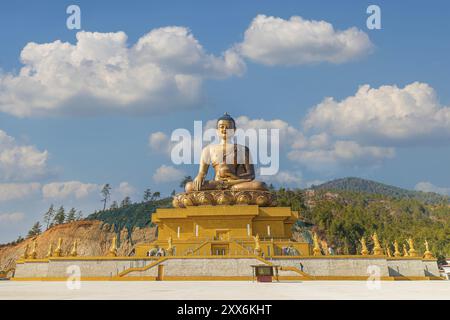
pixel 207 185
pixel 250 185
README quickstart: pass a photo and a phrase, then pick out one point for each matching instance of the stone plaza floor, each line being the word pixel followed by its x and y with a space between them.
pixel 227 290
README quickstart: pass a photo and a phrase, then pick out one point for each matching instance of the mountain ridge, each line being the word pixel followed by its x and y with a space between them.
pixel 355 184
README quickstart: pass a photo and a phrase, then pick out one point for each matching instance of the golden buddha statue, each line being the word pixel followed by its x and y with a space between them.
pixel 113 248
pixel 427 254
pixel 364 250
pixel 237 175
pixel 412 252
pixel 257 245
pixel 397 252
pixel 377 250
pixel 234 174
pixel 405 251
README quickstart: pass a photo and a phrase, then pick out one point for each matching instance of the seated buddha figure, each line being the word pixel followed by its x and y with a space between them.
pixel 233 167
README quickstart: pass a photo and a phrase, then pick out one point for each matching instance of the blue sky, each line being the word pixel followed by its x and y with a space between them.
pixel 71 153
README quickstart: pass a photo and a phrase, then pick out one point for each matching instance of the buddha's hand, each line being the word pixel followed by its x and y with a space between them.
pixel 198 182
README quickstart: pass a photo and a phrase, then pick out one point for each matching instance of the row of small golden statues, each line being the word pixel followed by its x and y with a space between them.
pixel 378 250
pixel 58 252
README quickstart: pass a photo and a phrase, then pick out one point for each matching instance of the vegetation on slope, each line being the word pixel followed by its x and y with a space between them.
pixel 373 187
pixel 131 215
pixel 342 218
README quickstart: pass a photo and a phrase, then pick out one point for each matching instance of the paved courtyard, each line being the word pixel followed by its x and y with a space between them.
pixel 223 290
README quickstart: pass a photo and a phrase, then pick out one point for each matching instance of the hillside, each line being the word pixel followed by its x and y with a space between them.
pixel 372 187
pixel 341 218
pixel 136 215
pixel 131 225
pixel 94 240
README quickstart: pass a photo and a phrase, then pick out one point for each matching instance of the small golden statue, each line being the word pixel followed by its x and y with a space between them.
pixel 427 254
pixel 170 246
pixel 364 250
pixel 316 249
pixel 33 254
pixel 325 247
pixel 25 253
pixel 377 250
pixel 412 252
pixel 50 251
pixel 405 251
pixel 113 249
pixel 73 252
pixel 58 250
pixel 257 245
pixel 387 249
pixel 396 250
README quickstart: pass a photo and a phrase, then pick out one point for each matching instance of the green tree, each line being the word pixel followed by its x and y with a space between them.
pixel 147 195
pixel 114 205
pixel 60 216
pixel 48 216
pixel 35 230
pixel 156 195
pixel 125 202
pixel 79 215
pixel 71 216
pixel 106 193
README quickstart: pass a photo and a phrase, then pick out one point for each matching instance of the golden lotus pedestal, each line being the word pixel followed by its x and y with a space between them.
pixel 210 230
pixel 225 197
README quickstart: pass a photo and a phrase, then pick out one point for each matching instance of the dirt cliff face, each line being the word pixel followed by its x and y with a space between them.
pixel 94 239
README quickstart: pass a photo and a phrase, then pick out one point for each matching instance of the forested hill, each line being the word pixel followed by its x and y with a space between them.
pixel 372 187
pixel 130 216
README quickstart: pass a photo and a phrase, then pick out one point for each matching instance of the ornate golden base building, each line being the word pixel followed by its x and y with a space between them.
pixel 225 230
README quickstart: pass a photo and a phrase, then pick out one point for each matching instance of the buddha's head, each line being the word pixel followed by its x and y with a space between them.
pixel 225 126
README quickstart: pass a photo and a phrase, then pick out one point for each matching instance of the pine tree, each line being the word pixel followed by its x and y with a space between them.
pixel 79 215
pixel 156 195
pixel 71 215
pixel 106 193
pixel 48 216
pixel 173 193
pixel 35 230
pixel 147 195
pixel 125 202
pixel 114 205
pixel 60 216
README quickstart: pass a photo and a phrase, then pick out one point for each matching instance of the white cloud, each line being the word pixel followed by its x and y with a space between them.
pixel 168 174
pixel 11 217
pixel 20 162
pixel 429 187
pixel 18 191
pixel 285 178
pixel 334 154
pixel 69 189
pixel 124 189
pixel 160 142
pixel 164 70
pixel 275 41
pixel 389 116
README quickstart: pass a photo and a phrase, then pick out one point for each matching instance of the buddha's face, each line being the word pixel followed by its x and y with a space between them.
pixel 225 129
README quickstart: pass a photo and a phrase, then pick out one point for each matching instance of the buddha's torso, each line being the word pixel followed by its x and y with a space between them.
pixel 225 157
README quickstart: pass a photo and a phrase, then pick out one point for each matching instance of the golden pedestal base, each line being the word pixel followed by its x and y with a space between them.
pixel 224 230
